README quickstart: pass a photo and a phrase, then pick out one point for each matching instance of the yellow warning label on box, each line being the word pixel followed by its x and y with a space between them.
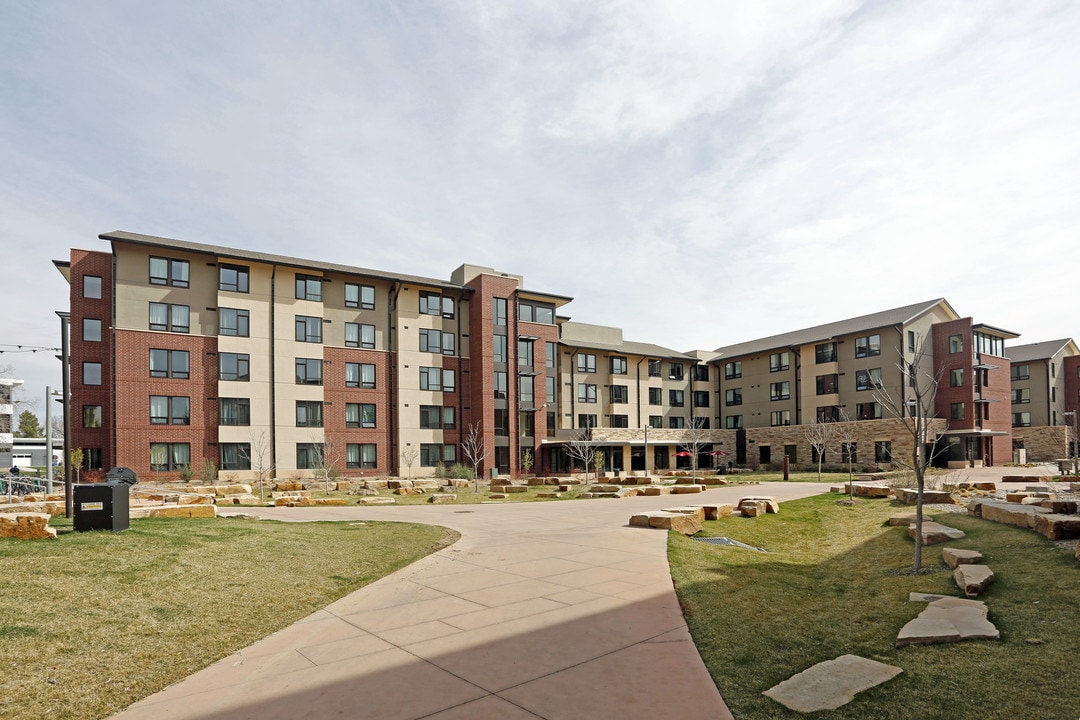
pixel 92 506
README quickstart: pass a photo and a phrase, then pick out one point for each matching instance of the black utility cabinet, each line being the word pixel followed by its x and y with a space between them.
pixel 104 506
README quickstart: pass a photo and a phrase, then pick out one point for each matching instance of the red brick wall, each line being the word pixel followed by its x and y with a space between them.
pixel 336 395
pixel 945 362
pixel 1070 365
pixel 85 262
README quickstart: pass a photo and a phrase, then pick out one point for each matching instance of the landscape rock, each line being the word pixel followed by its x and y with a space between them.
pixel 772 505
pixel 872 491
pixel 1059 507
pixel 930 497
pixel 376 501
pixel 934 533
pixel 718 510
pixel 399 483
pixel 695 510
pixel 906 518
pixel 1058 527
pixel 973 579
pixel 498 496
pixel 1011 513
pixel 515 489
pixel 331 501
pixel 627 492
pixel 956 556
pixel 831 684
pixel 377 484
pixel 457 483
pixel 949 620
pixel 753 508
pixel 183 511
pixel 408 490
pixel 657 490
pixel 442 498
pixel 26 526
pixel 687 489
pixel 685 524
pixel 549 494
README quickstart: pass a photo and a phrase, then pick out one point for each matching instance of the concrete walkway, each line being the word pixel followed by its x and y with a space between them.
pixel 541 610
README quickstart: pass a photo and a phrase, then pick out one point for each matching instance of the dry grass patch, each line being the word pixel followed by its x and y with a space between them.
pixel 91 622
pixel 834 581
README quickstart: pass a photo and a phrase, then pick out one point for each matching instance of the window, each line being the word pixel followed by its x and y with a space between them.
pixel 956 411
pixel 586 363
pixel 170 410
pixel 828 384
pixel 352 374
pixel 849 453
pixel 308 456
pixel 91 416
pixel 780 417
pixel 1021 419
pixel 654 368
pixel 308 329
pixel 360 296
pixel 676 423
pixel 620 394
pixel 232 278
pixel 868 379
pixel 433 378
pixel 235 456
pixel 675 398
pixel 434 454
pixel 309 371
pixel 1021 372
pixel 234 411
pixel 526 390
pixel 91 287
pixel 733 396
pixel 233 366
pixel 170 318
pixel 367 375
pixel 232 322
pixel 437 417
pixel 956 377
pixel 92 459
pixel 309 413
pixel 828 413
pixel 498 312
pixel 169 363
pixel 701 398
pixel 620 421
pixel 549 354
pixel 360 415
pixel 816 455
pixel 498 349
pixel 656 421
pixel 585 420
pixel 733 370
pixel 309 287
pixel 436 341
pixel 701 373
pixel 618 365
pixel 525 353
pixel 779 361
pixel 586 393
pixel 500 385
pixel 675 371
pixel 656 396
pixel 164 271
pixel 733 422
pixel 1021 396
pixel 357 335
pixel 780 390
pixel 501 421
pixel 91 373
pixel 883 451
pixel 993 345
pixel 911 340
pixel 169 456
pixel 360 455
pixel 91 330
pixel 868 346
pixel 533 312
pixel 956 343
pixel 868 411
pixel 825 353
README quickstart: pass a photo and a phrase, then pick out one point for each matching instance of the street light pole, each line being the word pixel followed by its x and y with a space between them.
pixel 48 440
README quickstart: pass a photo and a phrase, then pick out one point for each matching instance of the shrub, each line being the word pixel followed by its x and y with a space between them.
pixel 460 472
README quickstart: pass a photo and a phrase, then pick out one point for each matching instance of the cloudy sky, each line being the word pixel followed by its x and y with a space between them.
pixel 697 173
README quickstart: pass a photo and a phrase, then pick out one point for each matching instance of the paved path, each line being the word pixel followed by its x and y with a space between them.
pixel 541 610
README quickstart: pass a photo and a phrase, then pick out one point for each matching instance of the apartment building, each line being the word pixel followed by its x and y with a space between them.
pixel 858 372
pixel 7 421
pixel 1044 395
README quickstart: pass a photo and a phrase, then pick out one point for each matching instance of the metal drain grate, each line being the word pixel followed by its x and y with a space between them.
pixel 729 541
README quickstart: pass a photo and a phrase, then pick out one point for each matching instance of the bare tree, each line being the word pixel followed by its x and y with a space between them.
pixel 915 413
pixel 527 461
pixel 819 434
pixel 474 450
pixel 846 435
pixel 583 447
pixel 408 456
pixel 696 437
pixel 257 455
pixel 325 461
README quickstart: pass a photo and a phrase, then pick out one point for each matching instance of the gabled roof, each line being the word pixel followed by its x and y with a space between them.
pixel 819 333
pixel 629 348
pixel 235 254
pixel 1040 350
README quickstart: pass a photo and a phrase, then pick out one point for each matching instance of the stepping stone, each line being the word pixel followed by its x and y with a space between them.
pixel 831 684
pixel 949 620
pixel 925 597
pixel 934 533
pixel 956 556
pixel 906 518
pixel 973 579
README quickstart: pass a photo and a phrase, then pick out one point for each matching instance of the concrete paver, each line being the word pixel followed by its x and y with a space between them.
pixel 540 610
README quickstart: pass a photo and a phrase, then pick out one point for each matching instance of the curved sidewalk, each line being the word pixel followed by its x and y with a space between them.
pixel 541 610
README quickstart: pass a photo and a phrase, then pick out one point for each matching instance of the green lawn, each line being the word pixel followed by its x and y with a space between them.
pixel 91 622
pixel 834 582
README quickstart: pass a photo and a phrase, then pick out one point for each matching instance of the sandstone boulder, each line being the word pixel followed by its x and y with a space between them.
pixel 949 620
pixel 695 510
pixel 873 491
pixel 657 490
pixel 399 483
pixel 377 484
pixel 515 489
pixel 330 501
pixel 772 505
pixel 442 498
pixel 973 579
pixel 930 497
pixel 718 510
pixel 934 533
pixel 753 508
pixel 549 494
pixel 687 489
pixel 956 556
pixel 183 511
pixel 26 526
pixel 498 496
pixel 685 524
pixel 1011 513
pixel 905 518
pixel 376 501
pixel 408 490
pixel 1058 527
